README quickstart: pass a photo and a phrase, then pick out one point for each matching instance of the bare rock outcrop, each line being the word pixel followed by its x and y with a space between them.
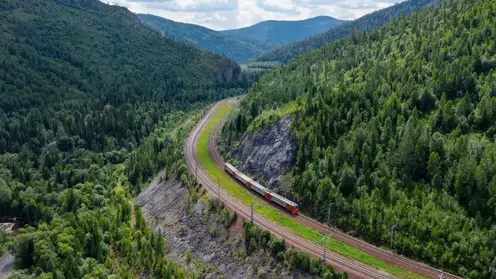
pixel 6 264
pixel 268 152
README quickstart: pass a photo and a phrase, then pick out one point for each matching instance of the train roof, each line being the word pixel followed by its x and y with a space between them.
pixel 230 166
pixel 284 199
pixel 244 176
pixel 259 186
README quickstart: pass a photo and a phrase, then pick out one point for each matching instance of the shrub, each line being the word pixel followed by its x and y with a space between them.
pixel 277 246
pixel 188 255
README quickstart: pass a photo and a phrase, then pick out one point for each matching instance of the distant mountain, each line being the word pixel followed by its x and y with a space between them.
pixel 242 44
pixel 373 20
pixel 239 49
pixel 286 31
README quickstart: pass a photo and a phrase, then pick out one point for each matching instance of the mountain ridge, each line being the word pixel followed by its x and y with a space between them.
pixel 286 31
pixel 239 49
pixel 242 44
pixel 369 21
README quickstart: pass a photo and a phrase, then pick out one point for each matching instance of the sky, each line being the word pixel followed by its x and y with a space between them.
pixel 233 14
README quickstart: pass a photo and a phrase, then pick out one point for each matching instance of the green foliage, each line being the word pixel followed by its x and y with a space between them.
pixel 370 21
pixel 216 207
pixel 397 126
pixel 5 196
pixel 89 102
pixel 85 74
pixel 83 211
pixel 255 239
pixel 189 256
pixel 2 242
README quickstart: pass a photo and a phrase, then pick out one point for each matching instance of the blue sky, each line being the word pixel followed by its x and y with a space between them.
pixel 231 14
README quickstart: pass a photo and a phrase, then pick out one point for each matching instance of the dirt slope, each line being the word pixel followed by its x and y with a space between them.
pixel 190 227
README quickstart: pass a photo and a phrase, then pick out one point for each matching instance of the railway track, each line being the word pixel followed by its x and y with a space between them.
pixel 354 268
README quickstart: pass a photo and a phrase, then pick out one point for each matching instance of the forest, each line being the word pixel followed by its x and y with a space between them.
pixel 92 105
pixel 370 21
pixel 397 127
pixel 84 223
pixel 92 73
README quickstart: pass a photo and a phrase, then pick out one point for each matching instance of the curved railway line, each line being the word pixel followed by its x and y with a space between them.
pixel 355 269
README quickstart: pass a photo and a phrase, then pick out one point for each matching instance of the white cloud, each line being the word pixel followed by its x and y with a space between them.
pixel 192 5
pixel 278 6
pixel 231 14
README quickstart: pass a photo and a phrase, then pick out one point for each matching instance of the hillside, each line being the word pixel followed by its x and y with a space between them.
pixel 396 126
pixel 286 31
pixel 243 44
pixel 90 108
pixel 239 49
pixel 367 22
pixel 102 55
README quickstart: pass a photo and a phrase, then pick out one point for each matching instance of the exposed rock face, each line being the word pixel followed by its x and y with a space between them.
pixel 267 153
pixel 192 228
pixel 229 72
pixel 6 264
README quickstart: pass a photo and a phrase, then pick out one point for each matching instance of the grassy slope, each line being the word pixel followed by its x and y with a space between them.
pixel 262 208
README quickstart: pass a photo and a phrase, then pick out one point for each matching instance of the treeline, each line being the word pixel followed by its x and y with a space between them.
pixel 374 20
pixel 397 126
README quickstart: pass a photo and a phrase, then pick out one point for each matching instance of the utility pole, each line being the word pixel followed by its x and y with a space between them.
pixel 196 174
pixel 392 236
pixel 251 218
pixel 493 266
pixel 218 187
pixel 325 247
pixel 329 214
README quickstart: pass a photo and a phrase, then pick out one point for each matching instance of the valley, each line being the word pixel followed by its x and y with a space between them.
pixel 261 140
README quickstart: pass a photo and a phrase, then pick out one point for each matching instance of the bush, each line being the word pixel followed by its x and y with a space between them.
pixel 188 255
pixel 277 246
pixel 265 239
pixel 227 217
pixel 2 243
pixel 242 254
pixel 213 230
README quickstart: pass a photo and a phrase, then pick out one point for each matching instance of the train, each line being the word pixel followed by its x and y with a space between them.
pixel 290 206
